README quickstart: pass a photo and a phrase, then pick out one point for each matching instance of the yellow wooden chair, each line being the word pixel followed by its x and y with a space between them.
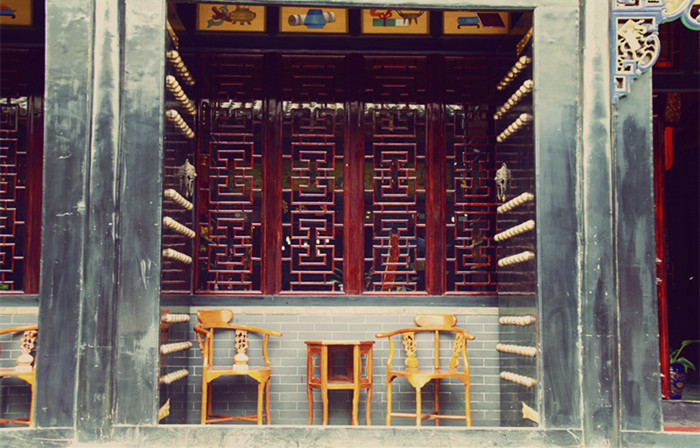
pixel 211 320
pixel 25 368
pixel 419 377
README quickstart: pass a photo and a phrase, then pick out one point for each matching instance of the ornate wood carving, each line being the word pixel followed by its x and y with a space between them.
pixel 409 345
pixel 636 40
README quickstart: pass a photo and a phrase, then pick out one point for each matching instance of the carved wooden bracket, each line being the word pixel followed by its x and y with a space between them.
pixel 635 24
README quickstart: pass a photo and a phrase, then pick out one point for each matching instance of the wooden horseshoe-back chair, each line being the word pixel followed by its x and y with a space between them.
pixel 210 320
pixel 419 377
pixel 24 369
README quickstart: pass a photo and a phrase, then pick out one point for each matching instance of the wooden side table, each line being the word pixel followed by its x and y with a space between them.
pixel 352 378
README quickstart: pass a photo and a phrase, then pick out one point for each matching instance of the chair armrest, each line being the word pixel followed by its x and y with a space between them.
pixel 388 334
pixel 199 328
pixel 256 329
pixel 19 329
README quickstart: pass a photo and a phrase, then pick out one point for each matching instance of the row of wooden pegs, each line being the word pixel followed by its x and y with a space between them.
pixel 518 379
pixel 177 198
pixel 179 123
pixel 514 127
pixel 180 96
pixel 171 318
pixel 514 99
pixel 522 350
pixel 521 64
pixel 174 376
pixel 180 67
pixel 173 254
pixel 516 230
pixel 175 226
pixel 174 347
pixel 515 259
pixel 517 201
pixel 520 321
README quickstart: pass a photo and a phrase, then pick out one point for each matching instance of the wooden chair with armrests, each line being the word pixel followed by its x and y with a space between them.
pixel 210 320
pixel 419 377
pixel 25 369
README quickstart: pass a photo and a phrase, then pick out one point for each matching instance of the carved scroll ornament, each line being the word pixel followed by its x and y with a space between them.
pixel 635 24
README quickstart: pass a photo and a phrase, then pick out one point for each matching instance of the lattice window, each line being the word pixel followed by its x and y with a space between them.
pixel 470 218
pixel 312 197
pixel 395 197
pixel 229 252
pixel 313 136
pixel 230 177
pixel 288 141
pixel 13 156
pixel 20 170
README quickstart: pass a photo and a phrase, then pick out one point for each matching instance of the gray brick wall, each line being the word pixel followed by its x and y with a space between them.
pixel 289 405
pixel 15 394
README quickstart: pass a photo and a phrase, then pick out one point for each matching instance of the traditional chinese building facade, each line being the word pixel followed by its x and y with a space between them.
pixel 327 171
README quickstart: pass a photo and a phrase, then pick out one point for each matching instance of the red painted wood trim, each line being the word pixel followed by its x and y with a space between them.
pixel 272 183
pixel 681 429
pixel 353 172
pixel 435 253
pixel 35 143
pixel 661 288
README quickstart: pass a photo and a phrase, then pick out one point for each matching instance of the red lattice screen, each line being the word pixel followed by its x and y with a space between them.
pixel 230 177
pixel 395 197
pixel 470 171
pixel 395 161
pixel 20 169
pixel 313 134
pixel 345 174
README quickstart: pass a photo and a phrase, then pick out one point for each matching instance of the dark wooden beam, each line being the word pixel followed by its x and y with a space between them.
pixel 137 281
pixel 556 107
pixel 65 218
pixel 640 382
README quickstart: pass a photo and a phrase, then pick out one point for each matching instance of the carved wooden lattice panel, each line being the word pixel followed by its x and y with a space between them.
pixel 13 115
pixel 470 201
pixel 313 129
pixel 395 198
pixel 21 84
pixel 470 165
pixel 280 134
pixel 394 187
pixel 230 176
pixel 312 250
pixel 231 232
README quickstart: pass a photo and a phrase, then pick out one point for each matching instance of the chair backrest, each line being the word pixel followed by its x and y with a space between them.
pixel 434 323
pixel 29 335
pixel 435 320
pixel 221 319
pixel 214 318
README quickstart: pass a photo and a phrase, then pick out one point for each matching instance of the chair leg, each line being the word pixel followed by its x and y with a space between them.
pixel 261 390
pixel 368 404
pixel 205 401
pixel 388 402
pixel 467 405
pixel 31 406
pixel 267 406
pixel 419 411
pixel 436 391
